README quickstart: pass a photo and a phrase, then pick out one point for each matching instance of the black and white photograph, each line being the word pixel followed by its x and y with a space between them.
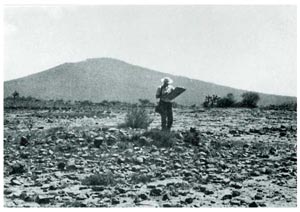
pixel 149 106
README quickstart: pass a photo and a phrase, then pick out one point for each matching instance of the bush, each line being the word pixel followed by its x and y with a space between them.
pixel 137 117
pixel 227 101
pixel 250 99
pixel 211 101
pixel 103 179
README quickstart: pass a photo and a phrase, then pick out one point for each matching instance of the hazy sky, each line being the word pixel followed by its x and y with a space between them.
pixel 247 47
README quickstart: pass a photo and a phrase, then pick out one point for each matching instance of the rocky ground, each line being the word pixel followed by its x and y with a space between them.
pixel 212 158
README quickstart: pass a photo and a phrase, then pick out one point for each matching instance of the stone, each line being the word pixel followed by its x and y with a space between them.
pixel 143 196
pixel 259 196
pixel 165 197
pixel 24 141
pixel 44 199
pixel 61 165
pixel 14 181
pixel 177 166
pixel 235 185
pixel 253 205
pixel 81 197
pixel 121 160
pixel 235 202
pixel 98 188
pixel 189 200
pixel 80 140
pixel 136 168
pixel 121 190
pixel 235 193
pixel 7 191
pixel 167 205
pixel 115 201
pixel 98 141
pixel 111 139
pixel 17 168
pixel 139 160
pixel 255 173
pixel 272 151
pixel 156 192
pixel 227 194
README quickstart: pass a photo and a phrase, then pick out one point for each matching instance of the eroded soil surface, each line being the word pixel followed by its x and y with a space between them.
pixel 217 158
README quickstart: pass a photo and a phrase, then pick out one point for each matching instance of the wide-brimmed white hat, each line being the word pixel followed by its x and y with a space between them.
pixel 168 79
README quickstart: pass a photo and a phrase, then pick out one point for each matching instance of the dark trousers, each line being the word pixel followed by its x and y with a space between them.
pixel 166 115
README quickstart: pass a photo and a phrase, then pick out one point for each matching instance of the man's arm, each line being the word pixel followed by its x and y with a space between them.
pixel 158 92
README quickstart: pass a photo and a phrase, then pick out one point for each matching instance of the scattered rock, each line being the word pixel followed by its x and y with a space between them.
pixel 81 197
pixel 139 160
pixel 156 192
pixel 98 188
pixel 61 165
pixel 227 194
pixel 44 199
pixel 259 196
pixel 143 196
pixel 235 185
pixel 24 141
pixel 115 201
pixel 189 200
pixel 17 168
pixel 177 166
pixel 98 141
pixel 165 197
pixel 235 202
pixel 235 193
pixel 253 205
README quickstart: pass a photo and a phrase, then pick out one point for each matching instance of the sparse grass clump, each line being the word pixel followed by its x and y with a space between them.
pixel 103 179
pixel 137 117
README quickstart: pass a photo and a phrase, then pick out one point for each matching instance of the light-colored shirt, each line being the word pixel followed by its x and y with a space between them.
pixel 163 91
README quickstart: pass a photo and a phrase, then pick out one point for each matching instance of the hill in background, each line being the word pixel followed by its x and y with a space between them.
pixel 110 79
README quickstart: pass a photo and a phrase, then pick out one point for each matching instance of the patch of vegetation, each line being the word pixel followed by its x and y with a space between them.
pixel 290 106
pixel 161 138
pixel 146 103
pixel 140 178
pixel 137 117
pixel 104 179
pixel 210 101
pixel 250 99
pixel 227 101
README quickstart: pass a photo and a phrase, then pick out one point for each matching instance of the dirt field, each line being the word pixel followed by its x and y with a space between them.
pixel 230 158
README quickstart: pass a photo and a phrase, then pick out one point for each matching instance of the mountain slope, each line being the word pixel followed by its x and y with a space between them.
pixel 110 79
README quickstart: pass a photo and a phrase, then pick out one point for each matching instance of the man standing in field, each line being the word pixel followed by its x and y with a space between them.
pixel 165 105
